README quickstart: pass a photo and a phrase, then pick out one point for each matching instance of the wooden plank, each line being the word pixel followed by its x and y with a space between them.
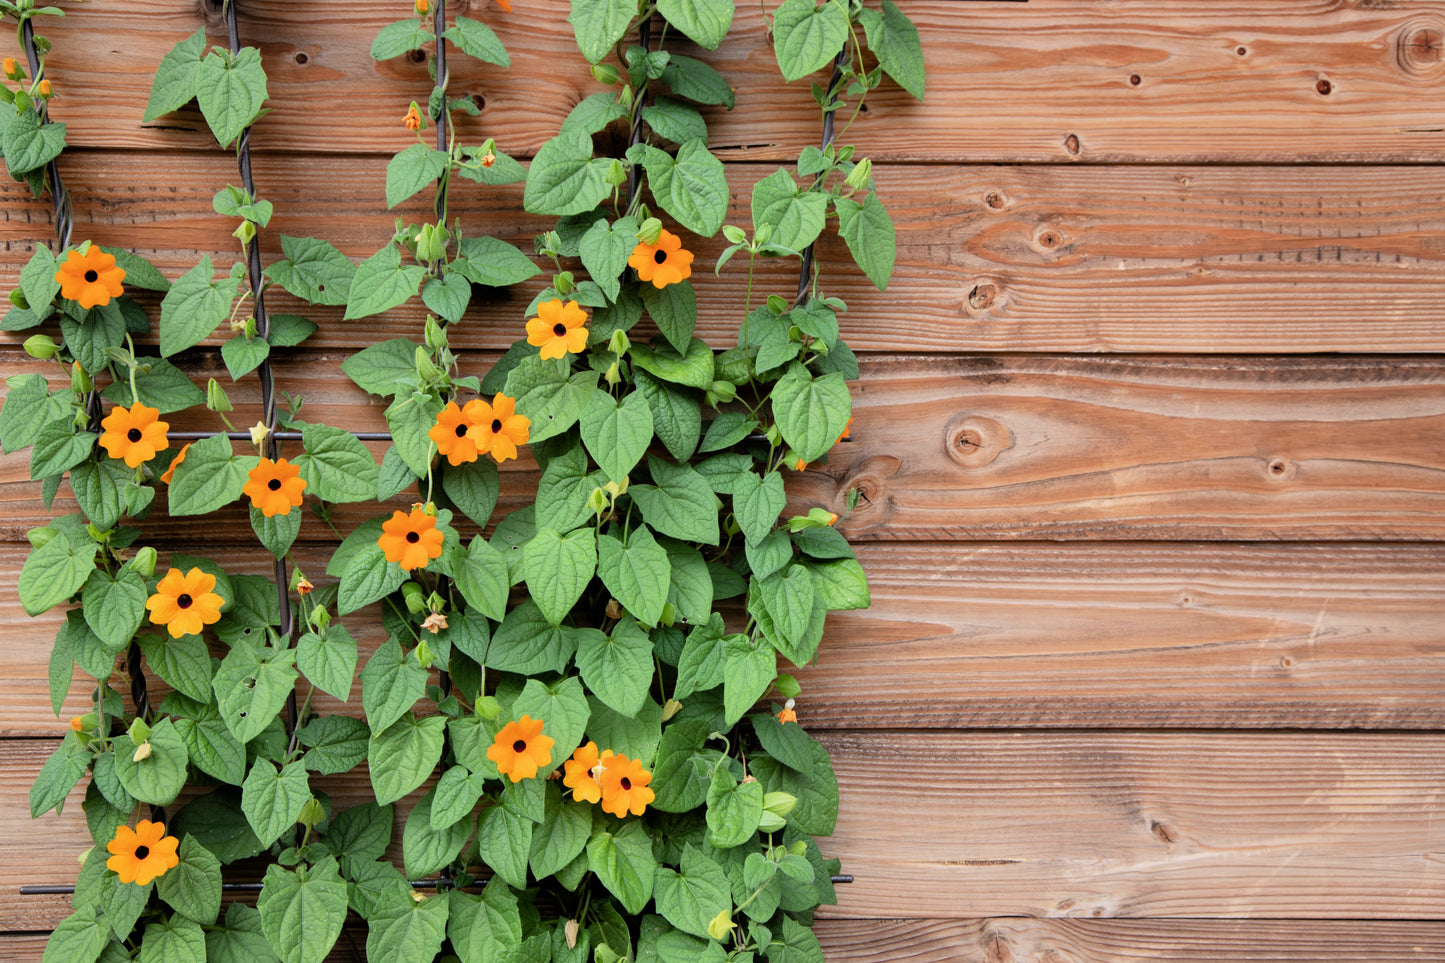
pixel 1088 824
pixel 1078 636
pixel 1051 80
pixel 1036 447
pixel 1014 940
pixel 1181 260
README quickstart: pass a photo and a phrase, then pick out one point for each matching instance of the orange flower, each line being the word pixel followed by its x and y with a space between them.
pixel 185 603
pixel 582 771
pixel 499 429
pixel 505 5
pixel 800 464
pixel 666 262
pixel 90 278
pixel 846 429
pixel 452 432
pixel 832 518
pixel 787 714
pixel 134 434
pixel 175 462
pixel 520 749
pixel 140 855
pixel 275 487
pixel 304 586
pixel 12 70
pixel 558 328
pixel 488 159
pixel 412 540
pixel 422 6
pixel 77 723
pixel 412 120
pixel 43 88
pixel 624 787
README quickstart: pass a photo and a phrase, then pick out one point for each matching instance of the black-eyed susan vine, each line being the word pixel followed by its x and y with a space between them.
pixel 590 694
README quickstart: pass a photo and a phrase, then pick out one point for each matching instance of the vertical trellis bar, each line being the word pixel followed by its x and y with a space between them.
pixel 805 269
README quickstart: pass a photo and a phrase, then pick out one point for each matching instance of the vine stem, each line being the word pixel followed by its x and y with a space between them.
pixel 439 23
pixel 805 270
pixel 267 377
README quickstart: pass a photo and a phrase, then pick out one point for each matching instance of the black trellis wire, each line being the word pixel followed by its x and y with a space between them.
pixel 60 889
pixel 805 269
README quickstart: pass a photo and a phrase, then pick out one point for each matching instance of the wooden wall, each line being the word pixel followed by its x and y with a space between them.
pixel 1151 430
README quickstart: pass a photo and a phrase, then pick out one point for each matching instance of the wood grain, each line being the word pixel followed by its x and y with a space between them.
pixel 1090 824
pixel 1051 80
pixel 1076 636
pixel 1189 259
pixel 1018 940
pixel 1034 447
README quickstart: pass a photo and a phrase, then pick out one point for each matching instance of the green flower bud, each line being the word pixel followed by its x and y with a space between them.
pixel 564 282
pixel 415 598
pixel 779 803
pixel 424 654
pixel 725 390
pixel 216 397
pixel 860 177
pixel 649 231
pixel 605 74
pixel 670 709
pixel 245 232
pixel 139 732
pixel 80 378
pixel 597 501
pixel 771 822
pixel 788 686
pixel 434 335
pixel 734 234
pixel 42 347
pixel 798 848
pixel 612 375
pixel 619 343
pixel 144 563
pixel 721 925
pixel 311 813
pixel 431 243
pixel 488 707
pixel 616 174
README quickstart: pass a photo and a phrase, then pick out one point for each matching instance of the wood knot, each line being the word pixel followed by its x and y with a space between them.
pixel 1161 831
pixel 1135 80
pixel 1420 47
pixel 416 56
pixel 982 296
pixel 1071 144
pixel 1286 662
pixel 1324 87
pixel 1280 468
pixel 302 58
pixel 974 441
pixel 995 201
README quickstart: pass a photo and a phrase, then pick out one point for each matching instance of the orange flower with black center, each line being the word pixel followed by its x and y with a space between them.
pixel 411 540
pixel 412 120
pixel 134 434
pixel 666 262
pixel 624 786
pixel 91 279
pixel 581 773
pixel 185 604
pixel 847 429
pixel 499 429
pixel 451 433
pixel 175 463
pixel 520 749
pixel 558 328
pixel 140 855
pixel 275 487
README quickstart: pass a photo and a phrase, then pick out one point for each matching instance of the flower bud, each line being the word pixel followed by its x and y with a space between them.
pixel 260 431
pixel 619 343
pixel 142 751
pixel 43 89
pixel 614 609
pixel 649 231
pixel 424 654
pixel 433 334
pixel 311 813
pixel 860 177
pixel 431 243
pixel 616 174
pixel 779 803
pixel 725 390
pixel 788 686
pixel 488 707
pixel 570 930
pixel 597 501
pixel 216 397
pixel 602 73
pixel 12 69
pixel 671 708
pixel 80 378
pixel 144 563
pixel 722 924
pixel 798 848
pixel 42 347
pixel 612 375
pixel 415 598
pixel 734 234
pixel 771 822
pixel 422 6
pixel 140 733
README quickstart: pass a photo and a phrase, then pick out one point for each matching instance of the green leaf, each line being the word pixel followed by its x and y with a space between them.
pixel 564 177
pixel 447 296
pixel 807 37
pixel 313 270
pixel 811 412
pixel 211 476
pixel 683 769
pixel 492 262
pixel 115 605
pixel 690 899
pixel 633 736
pixel 733 809
pixel 894 41
pixel 240 940
pixel 277 533
pixel 79 938
pixel 624 864
pixel 176 940
pixel 399 37
pixel 251 686
pixel 868 231
pixel 289 330
pixel 379 368
pixel 748 672
pixel 674 308
pixel 548 396
pixel 840 583
pixel 816 788
pixel 193 887
pixel 482 929
pixel 526 643
pixel 407 931
pixel 29 145
pixel 697 81
pixel 758 502
pixel 692 186
pixel 333 743
pixel 139 273
pixel 368 577
pixel 54 572
pixel 558 568
pixel 59 447
pixel 209 744
pixel 562 835
pixel 359 835
pixel 159 777
pixel 381 283
pixel 617 669
pixel 410 417
pixel 680 503
pixel 427 848
pixel 412 170
pixel 329 662
pixel 476 39
pixel 174 85
pixel 103 490
pixel 700 666
pixel 90 335
pixel 599 24
pixel 391 684
pixel 217 822
pixel 796 217
pixel 481 576
pixel 617 433
pixel 58 776
pixel 336 465
pixel 564 488
pixel 693 368
pixel 705 22
pixel 302 912
pixel 29 406
pixel 454 798
pixel 604 249
pixel 675 120
pixel 272 799
pixel 184 663
pixel 37 277
pixel 505 839
pixel 231 201
pixel 194 306
pixel 403 756
pixel 165 388
pixel 691 590
pixel 562 707
pixel 230 91
pixel 637 574
pixel 242 355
